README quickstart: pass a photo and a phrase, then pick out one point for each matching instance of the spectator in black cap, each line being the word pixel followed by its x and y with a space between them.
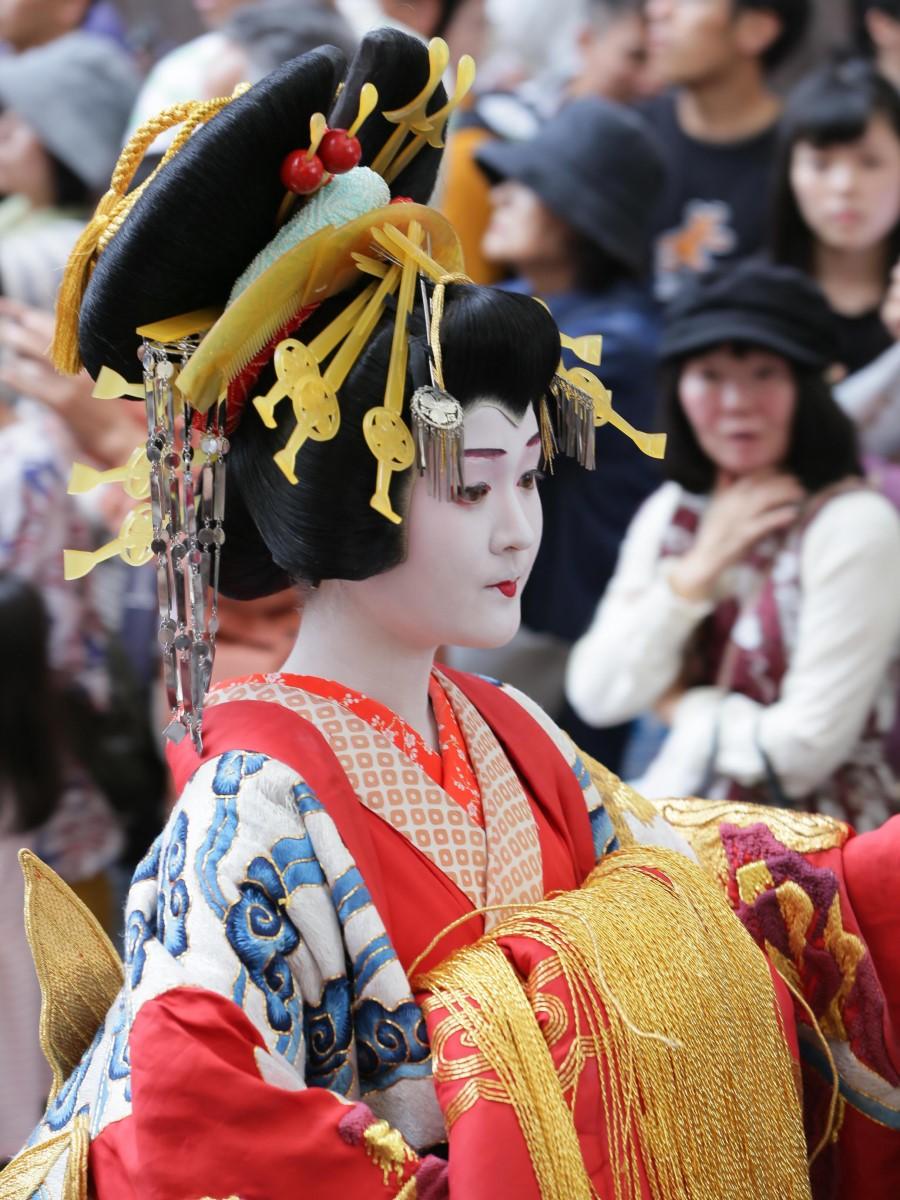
pixel 574 226
pixel 754 602
pixel 717 125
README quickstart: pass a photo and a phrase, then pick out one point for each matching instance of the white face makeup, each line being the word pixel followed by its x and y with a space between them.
pixel 467 560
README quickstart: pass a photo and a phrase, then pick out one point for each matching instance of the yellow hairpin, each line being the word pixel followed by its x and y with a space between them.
pixel 580 386
pixel 385 431
pixel 132 543
pixel 414 118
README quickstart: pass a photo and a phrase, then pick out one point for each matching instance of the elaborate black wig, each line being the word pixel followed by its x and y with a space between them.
pixel 832 106
pixel 208 213
pixel 193 231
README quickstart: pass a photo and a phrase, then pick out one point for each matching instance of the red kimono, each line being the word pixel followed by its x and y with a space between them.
pixel 265 1075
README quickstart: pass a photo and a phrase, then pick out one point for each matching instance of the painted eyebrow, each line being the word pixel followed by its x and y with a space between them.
pixel 487 453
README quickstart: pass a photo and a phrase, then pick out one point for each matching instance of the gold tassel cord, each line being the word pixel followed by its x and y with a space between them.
pixel 832 1119
pixel 110 213
pixel 484 997
pixel 672 997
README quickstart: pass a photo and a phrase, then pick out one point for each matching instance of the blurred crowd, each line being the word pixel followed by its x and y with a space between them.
pixel 714 185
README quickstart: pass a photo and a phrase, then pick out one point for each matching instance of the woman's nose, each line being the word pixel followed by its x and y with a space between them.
pixel 731 395
pixel 842 177
pixel 517 528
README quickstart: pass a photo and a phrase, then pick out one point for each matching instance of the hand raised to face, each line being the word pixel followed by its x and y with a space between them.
pixel 738 516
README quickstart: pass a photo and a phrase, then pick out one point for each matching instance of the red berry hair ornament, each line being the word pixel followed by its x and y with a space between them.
pixel 330 151
pixel 340 151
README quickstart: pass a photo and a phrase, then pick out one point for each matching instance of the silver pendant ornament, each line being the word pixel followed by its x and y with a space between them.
pixel 187 496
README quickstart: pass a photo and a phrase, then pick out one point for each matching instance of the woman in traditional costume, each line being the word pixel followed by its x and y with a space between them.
pixel 343 973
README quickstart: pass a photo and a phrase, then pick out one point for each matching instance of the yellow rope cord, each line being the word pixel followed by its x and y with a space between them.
pixel 831 1124
pixel 437 313
pixel 111 212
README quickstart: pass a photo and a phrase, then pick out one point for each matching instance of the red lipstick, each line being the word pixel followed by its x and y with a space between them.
pixel 508 587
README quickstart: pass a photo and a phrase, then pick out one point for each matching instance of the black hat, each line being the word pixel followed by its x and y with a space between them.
pixel 755 303
pixel 597 167
pixel 187 239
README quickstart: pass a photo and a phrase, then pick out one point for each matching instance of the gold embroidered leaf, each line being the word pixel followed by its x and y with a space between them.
pixel 77 967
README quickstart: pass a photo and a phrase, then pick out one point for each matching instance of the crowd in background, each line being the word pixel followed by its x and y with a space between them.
pixel 713 185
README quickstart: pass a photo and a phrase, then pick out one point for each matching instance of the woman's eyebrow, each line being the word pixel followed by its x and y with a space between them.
pixel 488 453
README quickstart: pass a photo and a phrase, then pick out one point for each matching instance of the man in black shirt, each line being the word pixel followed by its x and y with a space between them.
pixel 717 124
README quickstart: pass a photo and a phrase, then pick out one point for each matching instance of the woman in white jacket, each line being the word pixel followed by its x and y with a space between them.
pixel 755 601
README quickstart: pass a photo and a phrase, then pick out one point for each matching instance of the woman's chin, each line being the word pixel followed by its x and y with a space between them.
pixel 749 462
pixel 490 635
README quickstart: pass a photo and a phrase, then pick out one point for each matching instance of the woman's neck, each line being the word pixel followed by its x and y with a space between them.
pixel 550 278
pixel 337 641
pixel 852 280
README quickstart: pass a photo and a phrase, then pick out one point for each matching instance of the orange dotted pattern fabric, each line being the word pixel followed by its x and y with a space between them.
pixel 448 767
pixel 515 874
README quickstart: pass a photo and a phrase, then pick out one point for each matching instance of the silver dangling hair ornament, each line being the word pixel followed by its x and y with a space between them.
pixel 575 418
pixel 437 417
pixel 187 497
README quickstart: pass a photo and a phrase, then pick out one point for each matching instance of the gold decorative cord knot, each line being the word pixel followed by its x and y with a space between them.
pixel 110 214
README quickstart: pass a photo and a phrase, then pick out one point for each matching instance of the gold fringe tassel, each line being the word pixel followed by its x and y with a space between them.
pixel 111 212
pixel 670 993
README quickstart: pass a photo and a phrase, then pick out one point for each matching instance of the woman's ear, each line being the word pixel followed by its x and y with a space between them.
pixel 756 29
pixel 884 30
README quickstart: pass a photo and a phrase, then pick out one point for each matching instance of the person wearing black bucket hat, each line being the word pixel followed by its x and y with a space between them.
pixel 754 303
pixel 596 167
pixel 571 217
pixel 754 599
